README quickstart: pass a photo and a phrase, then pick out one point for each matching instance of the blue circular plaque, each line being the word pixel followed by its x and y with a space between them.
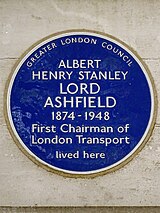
pixel 81 103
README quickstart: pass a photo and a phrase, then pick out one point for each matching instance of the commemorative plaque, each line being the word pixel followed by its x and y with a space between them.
pixel 80 103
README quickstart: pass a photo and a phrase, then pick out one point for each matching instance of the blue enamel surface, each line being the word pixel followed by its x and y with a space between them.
pixel 132 95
